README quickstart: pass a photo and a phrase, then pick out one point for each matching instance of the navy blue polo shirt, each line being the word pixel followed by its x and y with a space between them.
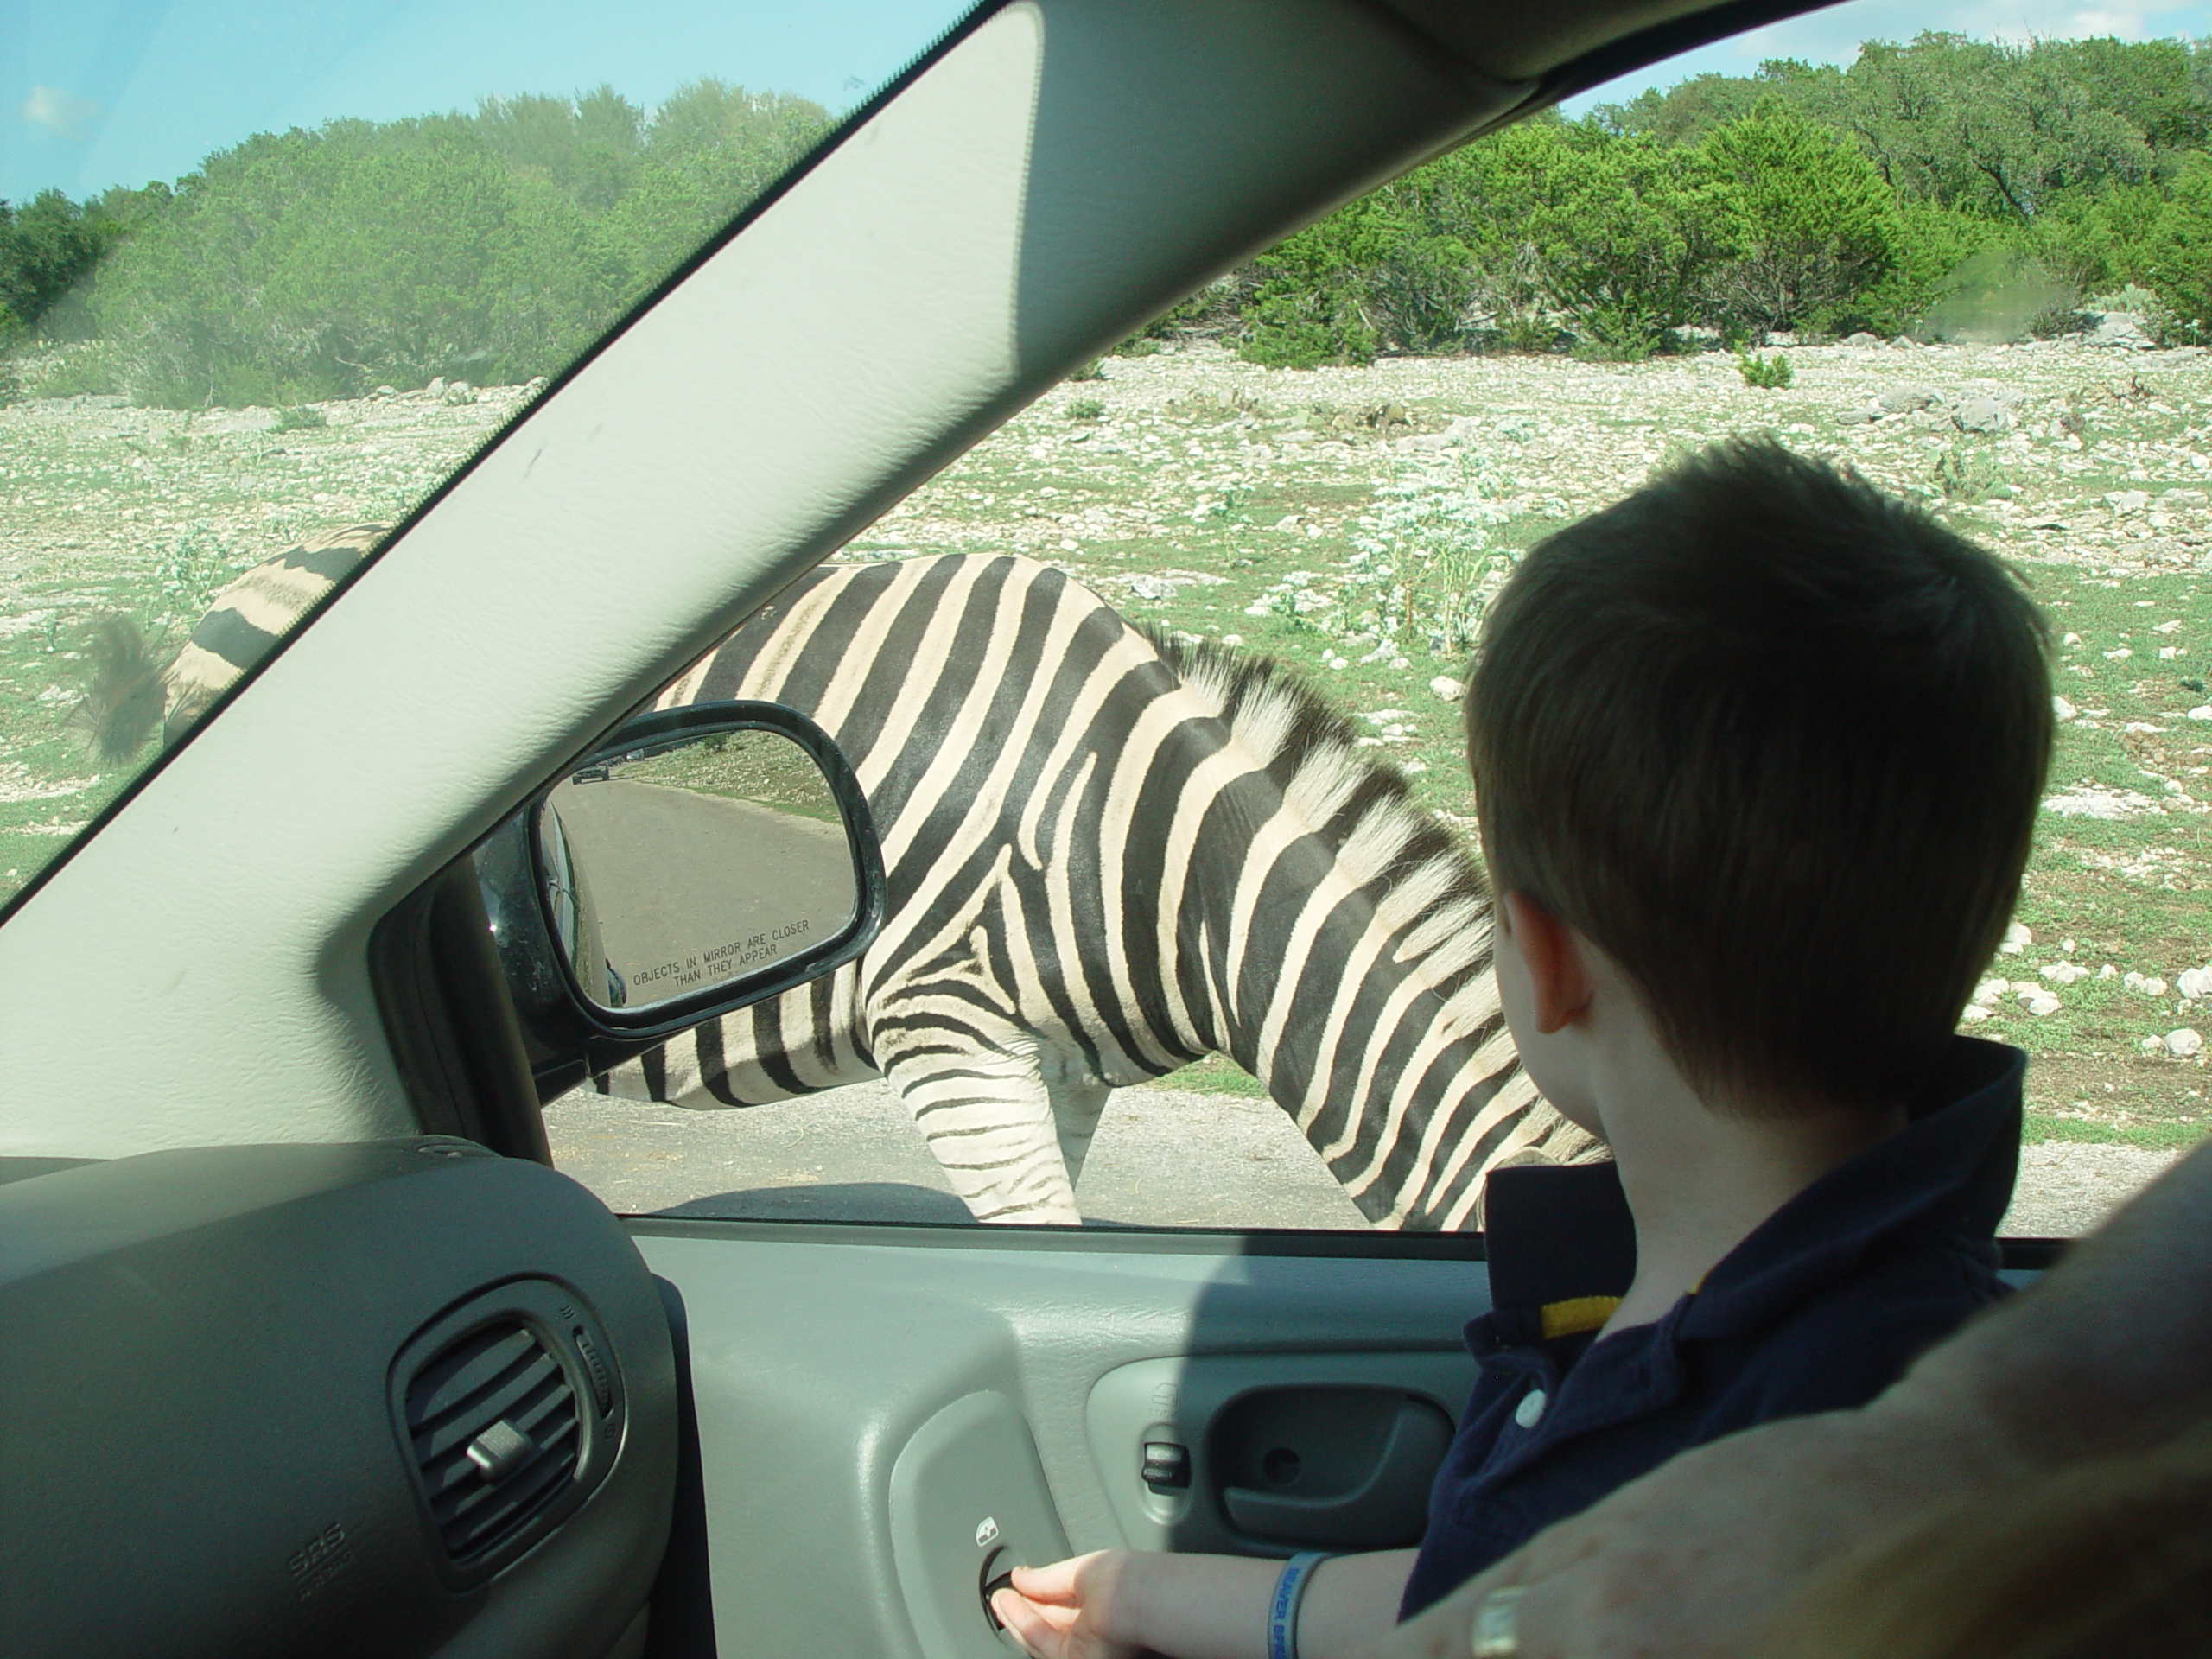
pixel 1820 1309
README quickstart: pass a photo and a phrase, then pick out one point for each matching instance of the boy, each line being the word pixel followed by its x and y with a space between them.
pixel 1756 754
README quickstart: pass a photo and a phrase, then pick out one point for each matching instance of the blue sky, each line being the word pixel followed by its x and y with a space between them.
pixel 1832 35
pixel 95 92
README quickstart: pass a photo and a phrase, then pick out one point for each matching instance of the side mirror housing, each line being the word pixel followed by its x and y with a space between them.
pixel 705 858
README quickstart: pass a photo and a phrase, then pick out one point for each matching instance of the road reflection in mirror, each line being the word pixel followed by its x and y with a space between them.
pixel 672 869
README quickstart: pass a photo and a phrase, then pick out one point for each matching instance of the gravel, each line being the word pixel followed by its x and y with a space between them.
pixel 1163 1157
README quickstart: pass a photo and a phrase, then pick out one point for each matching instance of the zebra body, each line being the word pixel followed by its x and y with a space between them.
pixel 130 689
pixel 1108 857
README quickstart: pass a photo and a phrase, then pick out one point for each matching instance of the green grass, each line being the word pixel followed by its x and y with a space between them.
pixel 1248 487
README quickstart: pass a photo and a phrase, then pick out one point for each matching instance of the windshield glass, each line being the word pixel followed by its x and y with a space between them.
pixel 268 273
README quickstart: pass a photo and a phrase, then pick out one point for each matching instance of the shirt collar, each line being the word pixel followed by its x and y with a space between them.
pixel 1558 1236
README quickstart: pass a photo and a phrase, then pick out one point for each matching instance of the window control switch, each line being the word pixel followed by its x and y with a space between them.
pixel 1167 1466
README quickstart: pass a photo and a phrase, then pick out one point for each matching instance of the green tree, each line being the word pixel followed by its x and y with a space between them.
pixel 2174 258
pixel 1814 226
pixel 1628 234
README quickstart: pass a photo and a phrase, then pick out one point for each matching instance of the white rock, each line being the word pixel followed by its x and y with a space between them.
pixel 2039 1002
pixel 2185 497
pixel 1990 989
pixel 2120 330
pixel 2127 500
pixel 2063 973
pixel 2066 947
pixel 1981 415
pixel 1973 1015
pixel 2108 972
pixel 2062 709
pixel 2182 1042
pixel 2196 984
pixel 2153 1044
pixel 1900 399
pixel 2095 801
pixel 2202 711
pixel 1152 588
pixel 1447 687
pixel 2016 934
pixel 2071 640
pixel 2120 655
pixel 2173 627
pixel 1232 639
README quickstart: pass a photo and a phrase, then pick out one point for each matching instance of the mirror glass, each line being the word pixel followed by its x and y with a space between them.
pixel 694 861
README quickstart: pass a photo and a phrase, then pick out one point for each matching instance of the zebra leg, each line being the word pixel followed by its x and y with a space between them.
pixel 1079 1098
pixel 987 1113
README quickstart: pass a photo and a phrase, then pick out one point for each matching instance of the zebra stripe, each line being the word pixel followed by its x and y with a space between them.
pixel 247 619
pixel 1109 856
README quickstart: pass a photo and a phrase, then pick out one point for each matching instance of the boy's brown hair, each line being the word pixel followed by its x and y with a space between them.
pixel 1776 742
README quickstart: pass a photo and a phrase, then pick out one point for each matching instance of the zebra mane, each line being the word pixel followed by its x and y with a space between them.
pixel 1423 880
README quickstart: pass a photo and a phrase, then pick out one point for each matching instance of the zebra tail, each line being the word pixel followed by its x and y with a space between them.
pixel 126 682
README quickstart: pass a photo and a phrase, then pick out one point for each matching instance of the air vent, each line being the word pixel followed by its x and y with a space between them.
pixel 493 1424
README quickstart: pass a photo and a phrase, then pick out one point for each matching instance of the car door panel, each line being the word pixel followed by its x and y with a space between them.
pixel 867 1399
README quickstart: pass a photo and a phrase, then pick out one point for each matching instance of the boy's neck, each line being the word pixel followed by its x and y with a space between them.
pixel 1700 1181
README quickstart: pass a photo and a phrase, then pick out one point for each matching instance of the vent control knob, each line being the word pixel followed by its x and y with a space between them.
pixel 602 1385
pixel 500 1451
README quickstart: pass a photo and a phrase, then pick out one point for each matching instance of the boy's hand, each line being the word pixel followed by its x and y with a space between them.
pixel 1071 1609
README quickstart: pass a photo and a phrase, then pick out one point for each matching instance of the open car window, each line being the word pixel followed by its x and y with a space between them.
pixel 1332 455
pixel 264 285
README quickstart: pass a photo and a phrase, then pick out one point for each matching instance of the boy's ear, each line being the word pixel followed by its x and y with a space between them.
pixel 1551 953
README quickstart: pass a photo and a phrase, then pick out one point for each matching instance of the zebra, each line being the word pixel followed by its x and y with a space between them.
pixel 1109 856
pixel 1004 1048
pixel 129 690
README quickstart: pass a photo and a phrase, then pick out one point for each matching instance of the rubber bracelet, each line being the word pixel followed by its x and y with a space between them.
pixel 1282 1610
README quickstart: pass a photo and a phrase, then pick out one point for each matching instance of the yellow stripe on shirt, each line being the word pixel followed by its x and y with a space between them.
pixel 1577 1314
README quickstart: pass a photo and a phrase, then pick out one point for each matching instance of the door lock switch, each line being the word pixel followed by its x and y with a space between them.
pixel 1167 1466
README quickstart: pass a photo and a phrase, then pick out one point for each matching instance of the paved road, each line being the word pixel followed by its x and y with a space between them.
pixel 691 888
pixel 1163 1157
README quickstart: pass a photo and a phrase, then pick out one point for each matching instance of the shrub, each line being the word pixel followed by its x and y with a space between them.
pixel 1086 409
pixel 1814 227
pixel 1968 472
pixel 1094 370
pixel 299 418
pixel 1765 371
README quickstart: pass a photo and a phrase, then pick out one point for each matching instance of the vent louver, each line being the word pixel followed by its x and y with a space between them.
pixel 493 1425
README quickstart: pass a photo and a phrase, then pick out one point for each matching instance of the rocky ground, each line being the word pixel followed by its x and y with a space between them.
pixel 1225 501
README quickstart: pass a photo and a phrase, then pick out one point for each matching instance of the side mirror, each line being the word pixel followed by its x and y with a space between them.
pixel 706 858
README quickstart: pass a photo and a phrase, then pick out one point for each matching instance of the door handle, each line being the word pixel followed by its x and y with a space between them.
pixel 1387 1509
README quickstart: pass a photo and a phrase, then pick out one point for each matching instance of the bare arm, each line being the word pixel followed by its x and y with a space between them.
pixel 1122 1601
pixel 2110 1351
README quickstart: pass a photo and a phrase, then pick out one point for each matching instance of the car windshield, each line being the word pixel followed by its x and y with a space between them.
pixel 268 273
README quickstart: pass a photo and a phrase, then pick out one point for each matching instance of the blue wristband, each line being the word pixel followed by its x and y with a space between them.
pixel 1282 1610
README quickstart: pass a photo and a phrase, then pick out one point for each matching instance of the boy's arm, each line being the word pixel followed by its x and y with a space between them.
pixel 2110 1351
pixel 1121 1602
